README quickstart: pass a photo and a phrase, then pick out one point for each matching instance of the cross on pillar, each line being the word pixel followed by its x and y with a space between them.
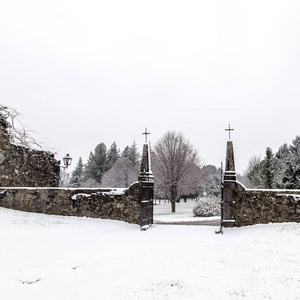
pixel 146 133
pixel 229 129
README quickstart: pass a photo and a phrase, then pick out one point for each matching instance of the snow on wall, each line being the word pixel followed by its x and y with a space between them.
pixel 115 204
pixel 255 206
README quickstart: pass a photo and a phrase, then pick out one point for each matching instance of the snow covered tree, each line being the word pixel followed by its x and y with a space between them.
pixel 283 152
pixel 122 174
pixel 295 146
pixel 97 163
pixel 280 171
pixel 78 174
pixel 291 177
pixel 213 185
pixel 255 172
pixel 175 165
pixel 210 180
pixel 269 169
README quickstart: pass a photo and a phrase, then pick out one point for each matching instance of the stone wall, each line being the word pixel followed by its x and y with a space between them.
pixel 242 206
pixel 24 167
pixel 250 206
pixel 114 204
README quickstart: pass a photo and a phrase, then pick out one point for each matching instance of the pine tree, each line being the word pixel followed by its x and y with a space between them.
pixel 112 155
pixel 269 169
pixel 131 153
pixel 77 174
pixel 213 185
pixel 291 177
pixel 134 154
pixel 97 163
pixel 295 147
pixel 283 152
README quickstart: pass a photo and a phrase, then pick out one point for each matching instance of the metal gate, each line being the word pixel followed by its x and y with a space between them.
pixel 146 212
pixel 147 203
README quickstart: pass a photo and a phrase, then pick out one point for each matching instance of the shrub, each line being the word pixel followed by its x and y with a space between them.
pixel 207 208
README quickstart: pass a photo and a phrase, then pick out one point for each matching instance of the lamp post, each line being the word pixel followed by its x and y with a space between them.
pixel 67 161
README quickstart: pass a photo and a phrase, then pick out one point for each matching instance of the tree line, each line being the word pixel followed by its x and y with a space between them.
pixel 279 170
pixel 107 167
pixel 179 172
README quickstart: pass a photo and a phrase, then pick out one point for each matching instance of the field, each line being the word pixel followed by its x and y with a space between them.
pixel 55 257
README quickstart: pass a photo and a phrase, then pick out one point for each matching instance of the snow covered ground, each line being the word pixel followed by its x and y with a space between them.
pixel 56 257
pixel 184 213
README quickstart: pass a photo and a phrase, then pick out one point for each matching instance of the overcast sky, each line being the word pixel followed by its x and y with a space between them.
pixel 86 72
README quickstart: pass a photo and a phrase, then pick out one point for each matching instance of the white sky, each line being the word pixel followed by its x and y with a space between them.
pixel 85 72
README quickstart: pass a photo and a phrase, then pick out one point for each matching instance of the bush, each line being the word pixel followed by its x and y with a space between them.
pixel 207 208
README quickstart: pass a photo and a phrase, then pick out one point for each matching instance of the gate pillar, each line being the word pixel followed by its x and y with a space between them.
pixel 230 184
pixel 147 188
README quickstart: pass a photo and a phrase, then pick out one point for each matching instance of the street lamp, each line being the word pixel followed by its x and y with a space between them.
pixel 67 161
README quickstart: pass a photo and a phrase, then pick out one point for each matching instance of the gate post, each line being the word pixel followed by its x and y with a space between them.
pixel 230 184
pixel 147 189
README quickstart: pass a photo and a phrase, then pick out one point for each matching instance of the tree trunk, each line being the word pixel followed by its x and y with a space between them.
pixel 173 202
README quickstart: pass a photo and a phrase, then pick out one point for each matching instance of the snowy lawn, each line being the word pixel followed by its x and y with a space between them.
pixel 184 212
pixel 55 257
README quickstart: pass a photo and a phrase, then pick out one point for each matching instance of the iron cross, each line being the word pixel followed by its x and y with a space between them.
pixel 146 133
pixel 229 129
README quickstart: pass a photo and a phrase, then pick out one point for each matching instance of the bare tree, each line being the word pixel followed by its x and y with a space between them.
pixel 255 171
pixel 175 165
pixel 122 174
pixel 10 121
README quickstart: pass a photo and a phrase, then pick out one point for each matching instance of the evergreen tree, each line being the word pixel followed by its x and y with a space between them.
pixel 291 177
pixel 131 153
pixel 134 154
pixel 97 163
pixel 209 180
pixel 126 152
pixel 213 185
pixel 77 174
pixel 283 152
pixel 295 147
pixel 280 171
pixel 269 169
pixel 112 155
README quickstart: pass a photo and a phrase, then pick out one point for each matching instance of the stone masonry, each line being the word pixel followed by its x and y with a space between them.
pixel 25 167
pixel 114 204
pixel 29 180
pixel 244 206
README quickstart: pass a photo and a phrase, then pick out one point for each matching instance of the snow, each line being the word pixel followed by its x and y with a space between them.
pixel 74 197
pixel 56 257
pixel 184 213
pixel 114 192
